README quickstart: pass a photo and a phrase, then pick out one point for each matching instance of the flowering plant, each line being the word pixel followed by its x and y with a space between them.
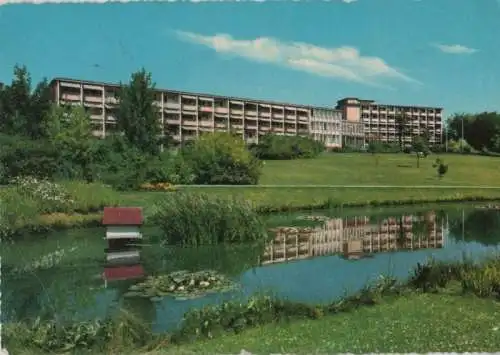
pixel 51 197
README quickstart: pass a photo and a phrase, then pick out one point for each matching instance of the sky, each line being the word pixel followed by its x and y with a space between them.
pixel 443 53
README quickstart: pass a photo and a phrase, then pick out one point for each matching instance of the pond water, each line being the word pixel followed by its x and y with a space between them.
pixel 60 274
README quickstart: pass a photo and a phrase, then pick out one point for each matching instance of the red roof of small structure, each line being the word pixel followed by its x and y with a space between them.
pixel 123 272
pixel 122 216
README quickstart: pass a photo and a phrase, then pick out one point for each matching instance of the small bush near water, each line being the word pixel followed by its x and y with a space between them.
pixel 199 219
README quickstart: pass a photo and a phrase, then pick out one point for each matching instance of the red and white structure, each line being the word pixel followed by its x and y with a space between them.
pixel 123 236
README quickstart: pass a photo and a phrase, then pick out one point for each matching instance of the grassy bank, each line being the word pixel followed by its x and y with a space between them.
pixel 327 169
pixel 440 308
pixel 412 323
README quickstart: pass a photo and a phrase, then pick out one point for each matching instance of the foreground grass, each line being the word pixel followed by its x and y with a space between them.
pixel 392 169
pixel 411 323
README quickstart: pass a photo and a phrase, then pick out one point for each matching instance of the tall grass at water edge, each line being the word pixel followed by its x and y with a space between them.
pixel 199 219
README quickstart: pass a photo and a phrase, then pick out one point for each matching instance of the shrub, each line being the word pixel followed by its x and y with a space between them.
pixel 122 332
pixel 22 157
pixel 221 158
pixel 90 197
pixel 49 197
pixel 197 219
pixel 277 147
pixel 169 167
pixel 483 281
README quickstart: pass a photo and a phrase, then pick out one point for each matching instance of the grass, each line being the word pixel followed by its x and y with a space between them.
pixel 194 220
pixel 412 323
pixel 393 169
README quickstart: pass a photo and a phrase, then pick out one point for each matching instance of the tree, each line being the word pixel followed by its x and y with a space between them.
pixel 21 111
pixel 137 116
pixel 69 129
pixel 442 169
pixel 420 148
pixel 222 158
pixel 401 128
pixel 375 148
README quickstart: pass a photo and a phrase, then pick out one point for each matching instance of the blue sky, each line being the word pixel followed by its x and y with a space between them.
pixel 428 52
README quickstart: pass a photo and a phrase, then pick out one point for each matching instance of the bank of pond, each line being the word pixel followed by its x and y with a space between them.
pixel 312 258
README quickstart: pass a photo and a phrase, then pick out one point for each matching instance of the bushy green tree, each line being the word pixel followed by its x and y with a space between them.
pixel 69 129
pixel 278 147
pixel 420 148
pixel 20 156
pixel 23 112
pixel 222 158
pixel 137 115
pixel 375 148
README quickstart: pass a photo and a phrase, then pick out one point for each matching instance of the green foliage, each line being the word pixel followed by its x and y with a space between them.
pixel 23 111
pixel 483 281
pixel 137 115
pixel 442 169
pixel 221 158
pixel 421 147
pixel 122 332
pixel 169 167
pixel 460 146
pixel 197 219
pixel 481 131
pixel 280 147
pixel 22 157
pixel 233 317
pixel 118 163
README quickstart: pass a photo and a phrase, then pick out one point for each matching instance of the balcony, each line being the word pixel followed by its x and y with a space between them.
pixel 278 115
pixel 189 123
pixel 265 114
pixel 93 99
pixel 236 112
pixel 189 107
pixel 175 121
pixel 250 113
pixel 172 105
pixel 206 109
pixel 70 97
pixel 222 110
pixel 206 123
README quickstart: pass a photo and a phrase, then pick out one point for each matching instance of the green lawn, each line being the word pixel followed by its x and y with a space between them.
pixel 357 169
pixel 393 169
pixel 415 323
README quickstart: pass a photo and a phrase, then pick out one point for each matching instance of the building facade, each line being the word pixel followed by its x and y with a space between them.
pixel 385 122
pixel 185 115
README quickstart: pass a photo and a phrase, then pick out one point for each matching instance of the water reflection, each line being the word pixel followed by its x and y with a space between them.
pixel 355 237
pixel 85 282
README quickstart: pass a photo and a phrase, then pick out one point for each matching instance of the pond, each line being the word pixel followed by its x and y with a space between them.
pixel 314 257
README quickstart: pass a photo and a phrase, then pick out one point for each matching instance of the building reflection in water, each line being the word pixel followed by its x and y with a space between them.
pixel 355 237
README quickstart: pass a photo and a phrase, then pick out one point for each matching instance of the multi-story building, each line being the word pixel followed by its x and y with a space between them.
pixel 385 122
pixel 186 115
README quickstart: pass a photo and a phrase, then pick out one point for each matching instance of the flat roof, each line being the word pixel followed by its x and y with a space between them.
pixel 269 102
pixel 374 103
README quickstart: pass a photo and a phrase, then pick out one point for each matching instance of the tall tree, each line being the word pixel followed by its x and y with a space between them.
pixel 401 128
pixel 21 111
pixel 137 116
pixel 70 130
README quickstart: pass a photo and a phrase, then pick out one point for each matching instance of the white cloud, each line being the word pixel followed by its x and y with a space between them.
pixel 349 1
pixel 341 63
pixel 454 48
